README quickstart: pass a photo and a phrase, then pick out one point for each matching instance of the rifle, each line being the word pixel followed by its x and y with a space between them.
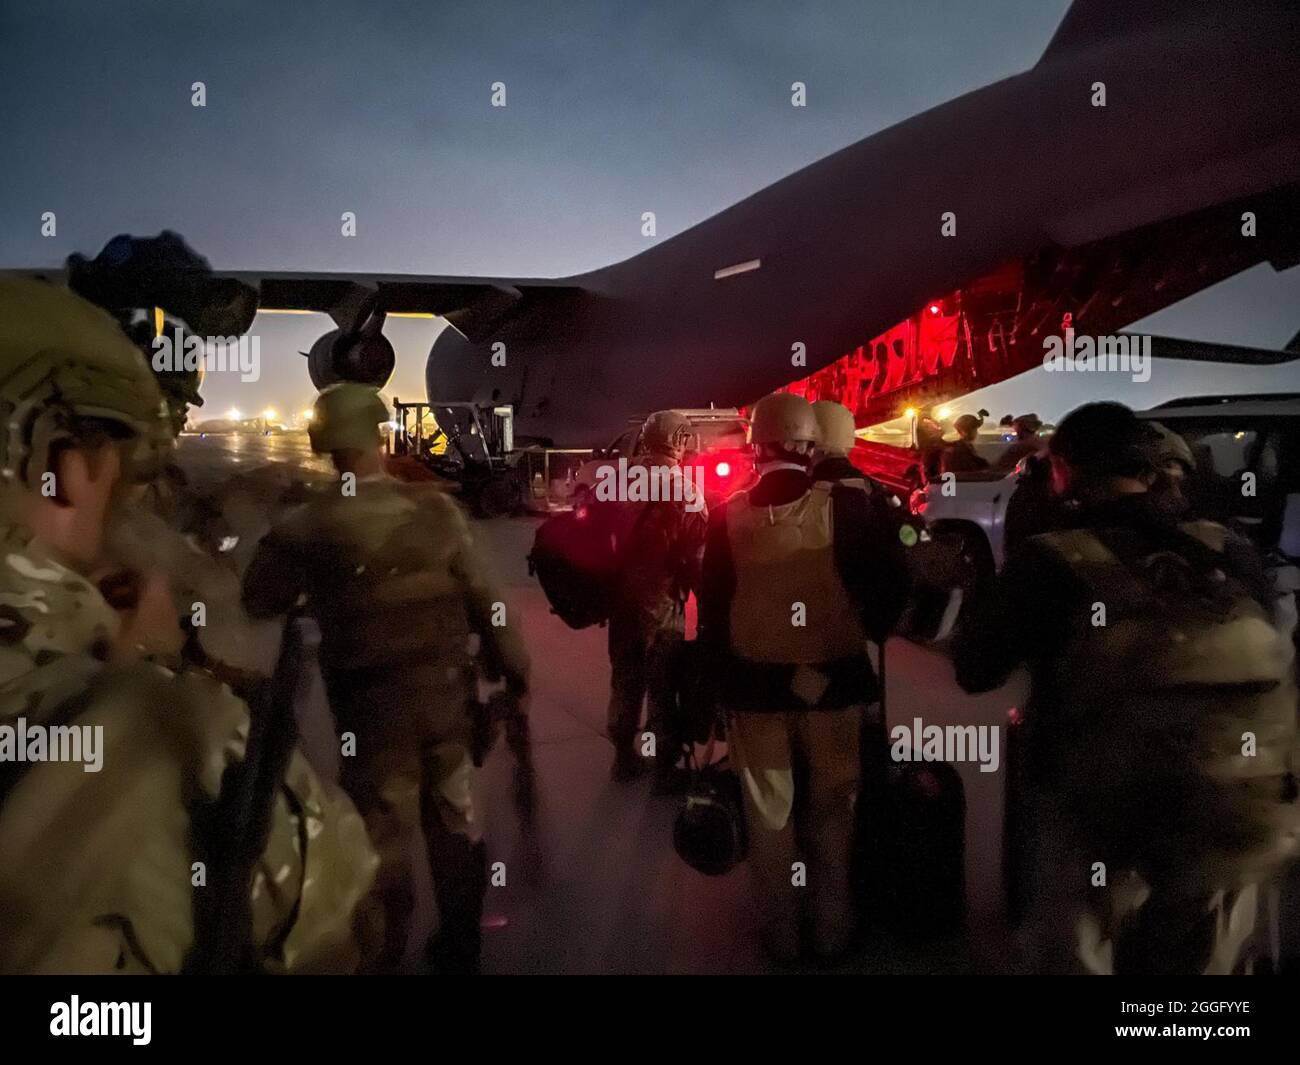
pixel 503 709
pixel 236 828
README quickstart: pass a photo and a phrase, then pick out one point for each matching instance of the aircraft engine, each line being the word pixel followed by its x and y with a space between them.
pixel 366 357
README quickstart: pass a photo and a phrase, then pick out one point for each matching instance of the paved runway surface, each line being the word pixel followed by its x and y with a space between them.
pixel 597 887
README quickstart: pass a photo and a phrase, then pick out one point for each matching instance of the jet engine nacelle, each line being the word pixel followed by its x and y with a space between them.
pixel 366 358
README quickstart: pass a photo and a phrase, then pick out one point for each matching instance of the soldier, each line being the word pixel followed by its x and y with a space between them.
pixel 122 830
pixel 1161 722
pixel 661 549
pixel 393 578
pixel 836 435
pixel 798 575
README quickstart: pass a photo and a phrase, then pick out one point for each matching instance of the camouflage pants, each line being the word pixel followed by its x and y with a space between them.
pixel 643 651
pixel 764 749
pixel 401 785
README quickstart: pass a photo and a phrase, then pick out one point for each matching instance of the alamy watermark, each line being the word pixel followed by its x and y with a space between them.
pixel 919 742
pixel 185 352
pixel 21 742
pixel 74 1017
pixel 1122 353
pixel 635 483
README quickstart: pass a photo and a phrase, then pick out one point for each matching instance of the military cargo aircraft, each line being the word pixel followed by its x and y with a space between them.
pixel 1152 151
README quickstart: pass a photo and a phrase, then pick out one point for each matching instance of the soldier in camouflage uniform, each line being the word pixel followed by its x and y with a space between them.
pixel 393 578
pixel 102 868
pixel 1157 787
pixel 663 542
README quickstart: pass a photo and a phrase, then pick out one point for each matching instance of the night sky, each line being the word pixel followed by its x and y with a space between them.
pixel 383 109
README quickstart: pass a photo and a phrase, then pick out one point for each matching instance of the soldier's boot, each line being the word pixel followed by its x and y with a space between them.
pixel 460 882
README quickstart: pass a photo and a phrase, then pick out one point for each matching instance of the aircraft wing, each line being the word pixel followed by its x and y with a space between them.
pixel 475 306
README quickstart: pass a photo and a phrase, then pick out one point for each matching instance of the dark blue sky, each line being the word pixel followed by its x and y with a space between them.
pixel 383 108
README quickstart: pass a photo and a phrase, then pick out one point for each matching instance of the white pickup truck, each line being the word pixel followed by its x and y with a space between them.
pixel 1234 439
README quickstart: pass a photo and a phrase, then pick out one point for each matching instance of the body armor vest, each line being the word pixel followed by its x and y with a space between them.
pixel 790 605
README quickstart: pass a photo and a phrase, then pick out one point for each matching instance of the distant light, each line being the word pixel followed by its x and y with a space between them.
pixel 944 413
pixel 307 415
pixel 934 308
pixel 269 413
pixel 723 469
pixel 910 412
pixel 1239 436
pixel 233 414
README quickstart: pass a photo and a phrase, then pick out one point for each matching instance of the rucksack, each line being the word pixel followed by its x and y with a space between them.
pixel 577 558
pixel 1177 701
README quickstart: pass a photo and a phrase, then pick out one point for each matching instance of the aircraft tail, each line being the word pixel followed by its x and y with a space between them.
pixel 1091 23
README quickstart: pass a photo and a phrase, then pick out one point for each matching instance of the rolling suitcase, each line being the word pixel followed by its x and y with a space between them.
pixel 910 849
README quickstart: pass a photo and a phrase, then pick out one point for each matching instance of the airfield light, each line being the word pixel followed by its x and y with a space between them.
pixel 307 414
pixel 233 414
pixel 910 412
pixel 943 413
pixel 269 413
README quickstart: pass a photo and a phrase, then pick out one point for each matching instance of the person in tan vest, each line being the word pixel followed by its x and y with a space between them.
pixel 798 576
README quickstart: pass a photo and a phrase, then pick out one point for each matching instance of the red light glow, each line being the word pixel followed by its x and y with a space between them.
pixel 723 469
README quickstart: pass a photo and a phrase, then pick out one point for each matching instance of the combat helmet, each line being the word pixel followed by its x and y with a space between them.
pixel 665 432
pixel 64 361
pixel 836 430
pixel 346 417
pixel 783 418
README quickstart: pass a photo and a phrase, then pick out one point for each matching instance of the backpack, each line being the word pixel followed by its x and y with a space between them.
pixel 1157 700
pixel 577 557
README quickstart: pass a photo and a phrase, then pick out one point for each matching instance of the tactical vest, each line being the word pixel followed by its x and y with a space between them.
pixel 785 569
pixel 383 586
pixel 1174 719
